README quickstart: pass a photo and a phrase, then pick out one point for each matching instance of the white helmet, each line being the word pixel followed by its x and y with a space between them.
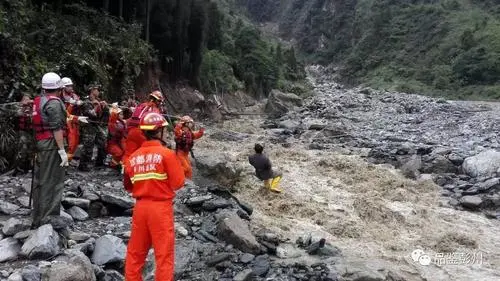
pixel 51 81
pixel 66 81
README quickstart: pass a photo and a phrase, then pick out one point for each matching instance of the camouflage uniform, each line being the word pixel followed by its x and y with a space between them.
pixel 93 133
pixel 26 141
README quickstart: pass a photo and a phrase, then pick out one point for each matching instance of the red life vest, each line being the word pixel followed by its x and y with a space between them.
pixel 139 112
pixel 185 141
pixel 42 131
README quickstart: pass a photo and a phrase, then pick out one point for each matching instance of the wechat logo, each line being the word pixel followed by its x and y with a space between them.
pixel 421 257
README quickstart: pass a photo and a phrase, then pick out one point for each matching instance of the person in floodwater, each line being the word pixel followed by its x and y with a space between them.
pixel 264 170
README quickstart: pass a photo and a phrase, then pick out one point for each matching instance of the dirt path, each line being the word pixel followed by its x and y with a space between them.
pixel 372 213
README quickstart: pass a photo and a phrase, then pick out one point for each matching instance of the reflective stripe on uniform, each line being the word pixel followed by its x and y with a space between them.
pixel 148 176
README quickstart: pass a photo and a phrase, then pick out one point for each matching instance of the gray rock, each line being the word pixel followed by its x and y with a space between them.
pixel 108 249
pixel 217 167
pixel 261 266
pixel 43 243
pixel 77 268
pixel 79 202
pixel 218 258
pixel 8 208
pixel 16 276
pixel 289 124
pixel 219 203
pixel 245 275
pixel 98 272
pixel 485 164
pixel 31 273
pixel 279 103
pixel 9 249
pixel 14 225
pixel 456 159
pixel 439 165
pixel 24 201
pixel 124 202
pixel 23 235
pixel 411 168
pixel 471 202
pixel 247 258
pixel 91 196
pixel 198 200
pixel 78 213
pixel 488 184
pixel 60 222
pixel 79 236
pixel 87 248
pixel 113 275
pixel 235 231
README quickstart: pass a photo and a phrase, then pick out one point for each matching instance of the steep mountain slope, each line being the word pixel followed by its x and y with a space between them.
pixel 438 47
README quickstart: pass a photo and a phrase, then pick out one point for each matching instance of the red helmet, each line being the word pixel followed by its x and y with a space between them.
pixel 157 95
pixel 152 121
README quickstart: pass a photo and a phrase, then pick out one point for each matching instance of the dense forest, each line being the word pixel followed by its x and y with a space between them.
pixel 113 43
pixel 435 47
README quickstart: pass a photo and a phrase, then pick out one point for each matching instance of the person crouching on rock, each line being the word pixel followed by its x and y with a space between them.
pixel 263 169
pixel 184 141
pixel 152 174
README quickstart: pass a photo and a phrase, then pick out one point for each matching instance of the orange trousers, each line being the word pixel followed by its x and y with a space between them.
pixel 116 152
pixel 183 157
pixel 152 224
pixel 73 138
pixel 134 140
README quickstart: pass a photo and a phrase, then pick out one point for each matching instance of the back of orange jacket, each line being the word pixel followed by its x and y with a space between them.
pixel 153 172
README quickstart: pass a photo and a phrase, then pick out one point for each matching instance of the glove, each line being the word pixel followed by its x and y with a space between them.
pixel 79 102
pixel 83 119
pixel 64 158
pixel 202 130
pixel 115 105
pixel 71 101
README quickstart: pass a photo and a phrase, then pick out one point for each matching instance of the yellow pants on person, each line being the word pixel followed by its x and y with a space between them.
pixel 273 184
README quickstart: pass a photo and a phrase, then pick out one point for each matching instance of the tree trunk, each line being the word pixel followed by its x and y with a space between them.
pixel 148 19
pixel 106 6
pixel 120 9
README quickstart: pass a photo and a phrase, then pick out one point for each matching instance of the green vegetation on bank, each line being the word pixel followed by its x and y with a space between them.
pixel 437 47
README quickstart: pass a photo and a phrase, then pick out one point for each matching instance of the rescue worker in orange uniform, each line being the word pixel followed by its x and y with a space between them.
pixel 135 137
pixel 117 130
pixel 72 102
pixel 152 174
pixel 184 141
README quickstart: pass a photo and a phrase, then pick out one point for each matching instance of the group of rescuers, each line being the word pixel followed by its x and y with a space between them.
pixel 151 171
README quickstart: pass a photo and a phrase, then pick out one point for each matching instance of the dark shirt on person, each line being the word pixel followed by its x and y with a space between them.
pixel 262 165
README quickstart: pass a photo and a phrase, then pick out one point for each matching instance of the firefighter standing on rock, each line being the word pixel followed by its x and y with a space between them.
pixel 152 174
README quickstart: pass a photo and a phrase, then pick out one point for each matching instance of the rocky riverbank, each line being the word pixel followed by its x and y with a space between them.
pixel 455 143
pixel 214 237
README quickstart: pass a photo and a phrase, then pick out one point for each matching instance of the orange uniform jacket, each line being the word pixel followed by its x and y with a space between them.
pixel 153 172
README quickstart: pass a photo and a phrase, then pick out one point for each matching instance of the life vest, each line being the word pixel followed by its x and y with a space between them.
pixel 184 142
pixel 139 112
pixel 39 121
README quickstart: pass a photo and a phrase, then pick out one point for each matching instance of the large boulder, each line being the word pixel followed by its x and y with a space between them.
pixel 279 103
pixel 76 268
pixel 471 202
pixel 44 243
pixel 8 208
pixel 78 213
pixel 217 166
pixel 108 249
pixel 124 201
pixel 235 231
pixel 9 249
pixel 15 225
pixel 485 164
